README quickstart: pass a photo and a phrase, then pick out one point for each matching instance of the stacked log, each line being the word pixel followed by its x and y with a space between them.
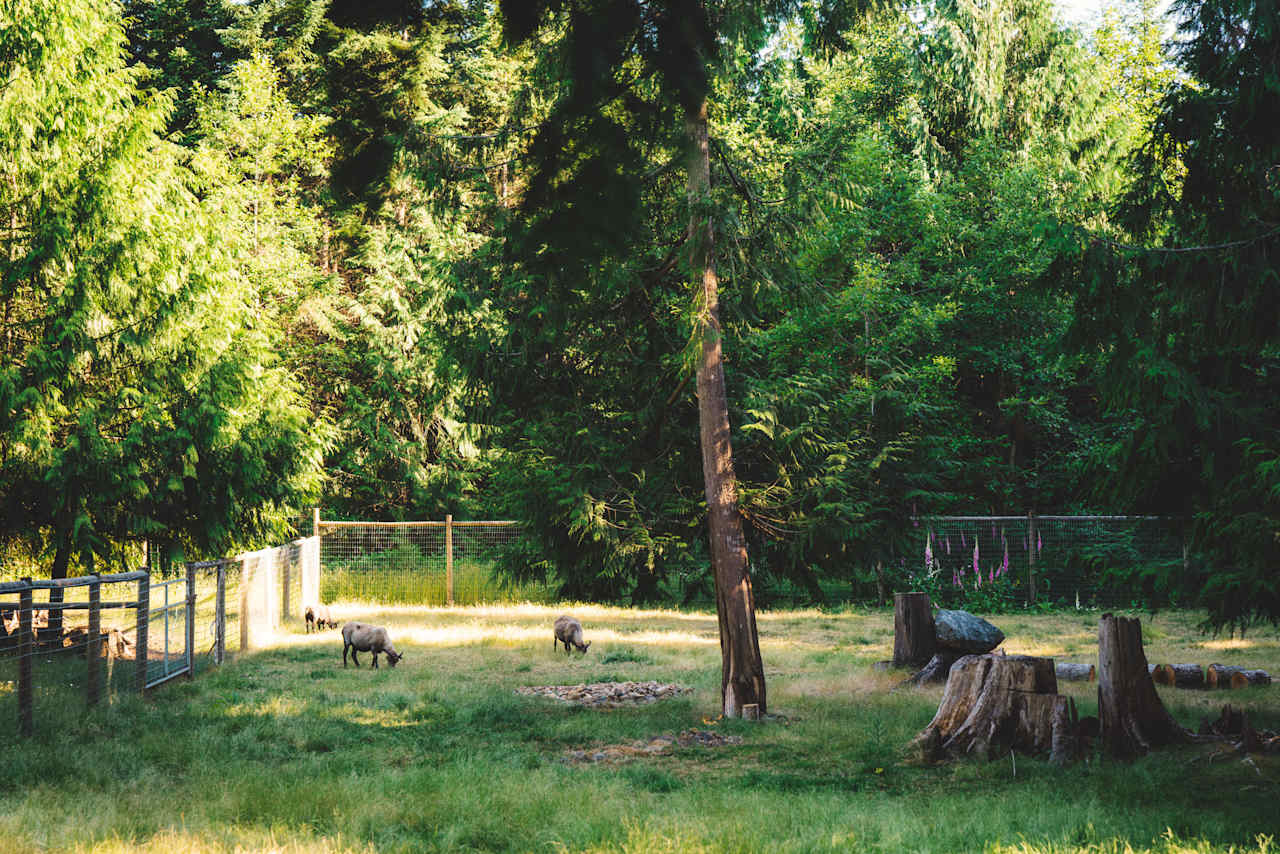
pixel 1068 671
pixel 1178 675
pixel 1229 676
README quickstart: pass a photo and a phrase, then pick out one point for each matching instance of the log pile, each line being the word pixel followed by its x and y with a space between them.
pixel 1178 675
pixel 1228 676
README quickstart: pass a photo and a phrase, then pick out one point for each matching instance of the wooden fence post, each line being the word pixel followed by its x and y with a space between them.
pixel 191 621
pixel 448 556
pixel 91 687
pixel 140 646
pixel 286 577
pixel 1031 557
pixel 25 651
pixel 246 578
pixel 220 617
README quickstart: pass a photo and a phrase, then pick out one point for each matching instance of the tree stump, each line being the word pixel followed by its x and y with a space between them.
pixel 914 640
pixel 1132 718
pixel 1178 675
pixel 994 704
pixel 1230 676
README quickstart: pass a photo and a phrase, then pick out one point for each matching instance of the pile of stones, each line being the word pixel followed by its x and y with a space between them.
pixel 653 747
pixel 607 694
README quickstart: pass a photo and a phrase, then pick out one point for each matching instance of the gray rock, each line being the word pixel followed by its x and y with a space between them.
pixel 965 633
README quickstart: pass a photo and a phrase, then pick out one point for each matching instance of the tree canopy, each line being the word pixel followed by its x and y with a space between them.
pixel 411 259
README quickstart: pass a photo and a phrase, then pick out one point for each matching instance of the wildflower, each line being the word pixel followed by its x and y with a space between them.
pixel 948 542
pixel 928 553
pixel 1039 543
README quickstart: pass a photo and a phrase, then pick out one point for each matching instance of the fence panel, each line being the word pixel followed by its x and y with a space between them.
pixel 65 645
pixel 1086 561
pixel 420 563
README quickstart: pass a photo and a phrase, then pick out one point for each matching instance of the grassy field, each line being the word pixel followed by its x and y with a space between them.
pixel 283 750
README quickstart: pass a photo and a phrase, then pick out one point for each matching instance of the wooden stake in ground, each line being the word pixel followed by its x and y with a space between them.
pixel 994 704
pixel 1131 716
pixel 914 635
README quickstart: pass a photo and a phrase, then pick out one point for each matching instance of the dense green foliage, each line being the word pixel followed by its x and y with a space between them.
pixel 263 252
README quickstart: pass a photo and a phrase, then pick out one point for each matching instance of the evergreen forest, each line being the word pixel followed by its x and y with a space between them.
pixel 408 258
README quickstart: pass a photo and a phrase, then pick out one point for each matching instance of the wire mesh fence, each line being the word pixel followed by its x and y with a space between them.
pixel 68 644
pixel 422 563
pixel 1080 561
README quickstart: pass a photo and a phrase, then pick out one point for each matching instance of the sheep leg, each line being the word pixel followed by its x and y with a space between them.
pixel 375 659
pixel 345 647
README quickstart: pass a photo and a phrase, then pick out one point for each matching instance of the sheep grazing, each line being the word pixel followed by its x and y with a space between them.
pixel 318 617
pixel 569 631
pixel 363 637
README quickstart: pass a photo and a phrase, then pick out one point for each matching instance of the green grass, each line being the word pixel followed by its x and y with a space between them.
pixel 284 750
pixel 411 579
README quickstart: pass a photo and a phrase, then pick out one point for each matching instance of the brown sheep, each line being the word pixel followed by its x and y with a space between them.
pixel 363 637
pixel 568 631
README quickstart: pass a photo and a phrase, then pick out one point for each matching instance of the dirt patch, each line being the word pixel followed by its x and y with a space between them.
pixel 607 695
pixel 614 753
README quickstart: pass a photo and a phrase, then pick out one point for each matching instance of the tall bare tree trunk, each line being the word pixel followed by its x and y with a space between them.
pixel 742 671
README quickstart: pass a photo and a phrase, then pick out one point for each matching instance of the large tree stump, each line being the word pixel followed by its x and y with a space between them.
pixel 1178 675
pixel 994 704
pixel 1230 676
pixel 1131 716
pixel 914 640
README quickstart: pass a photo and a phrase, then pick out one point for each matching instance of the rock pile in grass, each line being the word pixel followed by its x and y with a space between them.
pixel 653 747
pixel 607 694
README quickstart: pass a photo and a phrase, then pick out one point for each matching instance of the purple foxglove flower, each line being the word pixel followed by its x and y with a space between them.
pixel 1004 564
pixel 993 530
pixel 991 574
pixel 1039 543
pixel 976 570
pixel 948 542
pixel 962 540
pixel 928 553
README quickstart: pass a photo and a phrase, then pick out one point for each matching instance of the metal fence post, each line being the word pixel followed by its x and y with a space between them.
pixel 220 617
pixel 1031 557
pixel 191 621
pixel 448 556
pixel 91 686
pixel 25 651
pixel 140 647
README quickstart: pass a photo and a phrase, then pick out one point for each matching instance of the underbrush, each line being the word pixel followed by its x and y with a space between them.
pixel 284 750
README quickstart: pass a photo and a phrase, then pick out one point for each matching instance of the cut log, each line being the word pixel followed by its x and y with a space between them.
pixel 914 641
pixel 1068 671
pixel 994 704
pixel 1132 718
pixel 1178 675
pixel 1229 676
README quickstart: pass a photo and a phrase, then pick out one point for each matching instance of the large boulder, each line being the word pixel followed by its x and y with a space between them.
pixel 965 633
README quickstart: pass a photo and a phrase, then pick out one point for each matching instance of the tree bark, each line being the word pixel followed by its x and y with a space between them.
pixel 1130 714
pixel 994 704
pixel 742 670
pixel 914 637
